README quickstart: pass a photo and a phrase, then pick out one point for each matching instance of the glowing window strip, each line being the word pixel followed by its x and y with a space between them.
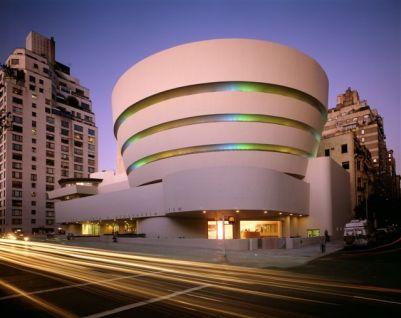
pixel 220 118
pixel 219 87
pixel 217 147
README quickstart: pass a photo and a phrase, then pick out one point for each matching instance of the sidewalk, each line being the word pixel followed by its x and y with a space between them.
pixel 262 258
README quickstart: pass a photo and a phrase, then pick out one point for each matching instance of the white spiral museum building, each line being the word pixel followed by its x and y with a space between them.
pixel 219 129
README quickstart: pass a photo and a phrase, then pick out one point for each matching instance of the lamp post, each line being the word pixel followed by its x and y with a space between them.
pixel 224 238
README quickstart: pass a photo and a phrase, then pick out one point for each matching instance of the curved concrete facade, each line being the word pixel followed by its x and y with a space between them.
pixel 239 101
pixel 215 129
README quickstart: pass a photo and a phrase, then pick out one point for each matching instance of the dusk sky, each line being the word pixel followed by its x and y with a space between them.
pixel 356 42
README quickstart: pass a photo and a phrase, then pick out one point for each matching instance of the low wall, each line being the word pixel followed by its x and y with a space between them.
pixel 230 245
pixel 236 245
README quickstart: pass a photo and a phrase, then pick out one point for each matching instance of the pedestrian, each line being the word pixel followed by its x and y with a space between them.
pixel 323 244
pixel 326 235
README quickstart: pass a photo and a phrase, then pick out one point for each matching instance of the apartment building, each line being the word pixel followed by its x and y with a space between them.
pixel 353 114
pixel 48 133
pixel 348 152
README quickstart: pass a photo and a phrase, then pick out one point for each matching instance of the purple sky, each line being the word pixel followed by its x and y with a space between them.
pixel 356 42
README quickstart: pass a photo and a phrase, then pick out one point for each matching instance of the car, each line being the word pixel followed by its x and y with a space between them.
pixel 22 237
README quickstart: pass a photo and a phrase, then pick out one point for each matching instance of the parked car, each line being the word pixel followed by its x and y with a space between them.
pixel 358 233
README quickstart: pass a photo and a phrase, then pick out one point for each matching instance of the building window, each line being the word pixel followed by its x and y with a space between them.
pixel 17 138
pixel 91 132
pixel 16 212
pixel 33 212
pixel 64 173
pixel 344 148
pixel 17 156
pixel 14 61
pixel 17 129
pixel 17 184
pixel 78 143
pixel 313 232
pixel 50 128
pixel 17 91
pixel 363 131
pixel 65 132
pixel 17 100
pixel 17 165
pixel 345 165
pixel 17 203
pixel 78 136
pixel 33 221
pixel 65 124
pixel 50 205
pixel 17 193
pixel 49 222
pixel 17 119
pixel 17 147
pixel 78 128
pixel 49 179
pixel 17 110
pixel 16 174
pixel 32 79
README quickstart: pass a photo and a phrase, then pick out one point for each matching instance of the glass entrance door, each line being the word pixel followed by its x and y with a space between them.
pixel 215 230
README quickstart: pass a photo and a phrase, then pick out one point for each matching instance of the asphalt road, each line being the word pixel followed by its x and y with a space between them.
pixel 49 280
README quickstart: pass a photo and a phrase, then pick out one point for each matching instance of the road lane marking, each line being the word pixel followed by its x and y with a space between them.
pixel 60 312
pixel 378 300
pixel 77 285
pixel 146 302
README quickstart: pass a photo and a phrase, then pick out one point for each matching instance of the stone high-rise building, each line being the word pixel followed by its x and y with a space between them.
pixel 48 133
pixel 353 114
pixel 348 152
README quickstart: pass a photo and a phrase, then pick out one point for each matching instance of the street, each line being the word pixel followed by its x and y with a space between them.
pixel 50 280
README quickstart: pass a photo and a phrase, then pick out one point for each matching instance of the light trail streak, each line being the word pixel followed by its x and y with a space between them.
pixel 37 301
pixel 154 278
pixel 146 302
pixel 259 275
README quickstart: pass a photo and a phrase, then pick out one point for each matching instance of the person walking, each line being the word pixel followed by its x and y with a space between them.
pixel 323 244
pixel 326 235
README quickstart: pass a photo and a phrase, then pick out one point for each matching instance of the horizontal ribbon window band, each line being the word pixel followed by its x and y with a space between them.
pixel 214 148
pixel 220 118
pixel 220 87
